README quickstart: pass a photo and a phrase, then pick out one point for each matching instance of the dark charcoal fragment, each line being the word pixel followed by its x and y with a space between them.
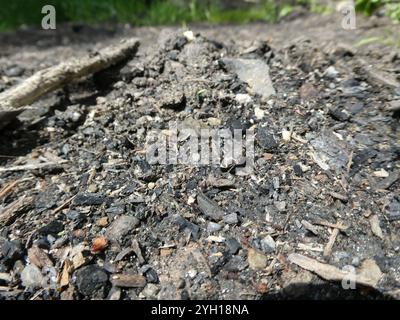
pixel 185 224
pixel 233 245
pixel 10 251
pixel 236 264
pixel 297 170
pixel 217 262
pixel 394 211
pixel 150 274
pixel 339 114
pixel 89 199
pixel 53 228
pixel 91 281
pixel 266 139
pixel 209 207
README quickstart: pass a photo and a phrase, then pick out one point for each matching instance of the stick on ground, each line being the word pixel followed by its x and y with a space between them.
pixel 13 101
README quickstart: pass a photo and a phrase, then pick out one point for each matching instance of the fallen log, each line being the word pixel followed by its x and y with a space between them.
pixel 13 101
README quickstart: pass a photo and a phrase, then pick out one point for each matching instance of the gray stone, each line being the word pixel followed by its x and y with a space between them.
pixel 213 227
pixel 151 290
pixel 254 72
pixel 121 227
pixel 32 277
pixel 231 218
pixel 268 244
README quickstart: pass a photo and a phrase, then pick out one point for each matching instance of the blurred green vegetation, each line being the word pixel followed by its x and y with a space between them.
pixel 14 13
pixel 138 12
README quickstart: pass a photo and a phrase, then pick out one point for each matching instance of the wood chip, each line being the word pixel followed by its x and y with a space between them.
pixel 310 227
pixel 34 166
pixel 6 190
pixel 14 210
pixel 339 196
pixel 331 242
pixel 368 275
pixel 136 248
pixel 128 280
pixel 39 258
pixel 47 80
pixel 375 227
pixel 341 226
pixel 62 206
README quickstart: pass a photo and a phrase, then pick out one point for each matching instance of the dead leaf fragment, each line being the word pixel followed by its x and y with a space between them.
pixel 99 244
pixel 67 269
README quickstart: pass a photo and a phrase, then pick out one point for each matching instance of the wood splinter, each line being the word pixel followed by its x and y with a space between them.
pixel 14 100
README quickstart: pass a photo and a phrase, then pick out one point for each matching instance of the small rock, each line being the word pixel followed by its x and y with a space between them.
pixel 268 244
pixel 150 274
pixel 209 207
pixel 189 35
pixel 236 264
pixel 243 98
pixel 121 227
pixel 213 227
pixel 185 224
pixel 10 251
pixel 173 99
pixel 286 135
pixel 259 113
pixel 382 173
pixel 254 72
pixel 150 291
pixel 14 71
pixel 92 188
pixel 102 222
pixel 375 226
pixel 266 139
pixel 339 114
pixel 298 170
pixel 91 281
pixel 394 210
pixel 231 218
pixel 331 72
pixel 280 205
pixel 32 277
pixel 256 260
pixel 308 92
pixel 233 245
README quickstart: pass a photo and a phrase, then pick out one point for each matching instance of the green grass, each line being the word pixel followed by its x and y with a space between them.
pixel 14 13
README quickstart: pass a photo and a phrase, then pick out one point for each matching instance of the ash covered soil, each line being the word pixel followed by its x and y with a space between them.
pixel 83 215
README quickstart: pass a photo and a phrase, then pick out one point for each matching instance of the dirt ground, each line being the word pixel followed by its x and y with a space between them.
pixel 83 215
